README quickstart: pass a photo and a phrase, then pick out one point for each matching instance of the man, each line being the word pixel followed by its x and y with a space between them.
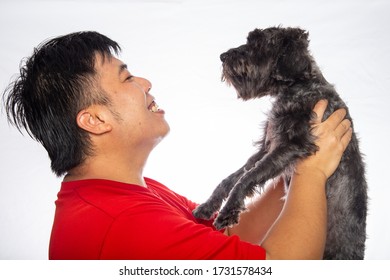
pixel 99 124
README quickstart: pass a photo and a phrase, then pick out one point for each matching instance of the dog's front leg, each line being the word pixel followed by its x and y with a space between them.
pixel 269 167
pixel 207 209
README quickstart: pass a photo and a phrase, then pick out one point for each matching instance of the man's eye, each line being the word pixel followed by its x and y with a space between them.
pixel 129 78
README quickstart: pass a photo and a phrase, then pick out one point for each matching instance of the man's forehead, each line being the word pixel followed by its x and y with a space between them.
pixel 109 61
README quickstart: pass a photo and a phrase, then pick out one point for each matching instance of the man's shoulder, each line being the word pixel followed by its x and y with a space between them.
pixel 111 197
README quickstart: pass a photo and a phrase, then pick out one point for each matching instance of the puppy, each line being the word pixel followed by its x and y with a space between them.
pixel 276 62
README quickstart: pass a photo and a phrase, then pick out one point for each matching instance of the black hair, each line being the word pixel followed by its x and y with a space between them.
pixel 55 83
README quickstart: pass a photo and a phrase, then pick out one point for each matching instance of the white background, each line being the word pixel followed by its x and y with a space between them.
pixel 176 45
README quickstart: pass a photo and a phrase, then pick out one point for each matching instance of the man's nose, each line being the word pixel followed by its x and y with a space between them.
pixel 144 83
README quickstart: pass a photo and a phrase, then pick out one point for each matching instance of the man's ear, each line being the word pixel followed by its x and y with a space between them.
pixel 94 120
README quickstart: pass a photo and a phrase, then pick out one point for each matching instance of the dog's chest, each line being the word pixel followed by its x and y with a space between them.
pixel 270 137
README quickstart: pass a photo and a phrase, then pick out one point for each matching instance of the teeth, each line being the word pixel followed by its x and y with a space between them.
pixel 153 107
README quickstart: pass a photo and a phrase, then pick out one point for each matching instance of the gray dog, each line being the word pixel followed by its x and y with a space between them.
pixel 276 62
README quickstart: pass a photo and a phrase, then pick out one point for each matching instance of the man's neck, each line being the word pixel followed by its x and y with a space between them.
pixel 103 168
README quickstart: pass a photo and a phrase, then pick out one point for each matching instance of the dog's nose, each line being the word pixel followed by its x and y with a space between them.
pixel 223 56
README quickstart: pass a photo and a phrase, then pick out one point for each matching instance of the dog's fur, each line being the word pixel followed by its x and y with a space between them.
pixel 276 62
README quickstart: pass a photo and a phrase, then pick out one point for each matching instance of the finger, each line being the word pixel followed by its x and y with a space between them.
pixel 319 110
pixel 346 138
pixel 336 118
pixel 343 128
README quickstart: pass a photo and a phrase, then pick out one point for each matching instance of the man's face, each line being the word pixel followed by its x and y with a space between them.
pixel 138 119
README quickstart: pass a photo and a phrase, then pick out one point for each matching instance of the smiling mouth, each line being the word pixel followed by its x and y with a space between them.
pixel 153 107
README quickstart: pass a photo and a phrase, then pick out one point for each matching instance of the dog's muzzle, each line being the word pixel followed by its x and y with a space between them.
pixel 224 56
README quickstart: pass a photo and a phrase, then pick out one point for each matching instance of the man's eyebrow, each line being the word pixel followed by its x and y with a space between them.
pixel 122 68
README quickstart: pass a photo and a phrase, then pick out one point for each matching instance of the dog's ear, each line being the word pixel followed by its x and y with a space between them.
pixel 294 61
pixel 256 38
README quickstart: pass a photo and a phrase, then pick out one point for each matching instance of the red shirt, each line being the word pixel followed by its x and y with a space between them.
pixel 102 219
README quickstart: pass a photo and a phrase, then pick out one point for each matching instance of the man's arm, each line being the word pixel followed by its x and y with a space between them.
pixel 297 229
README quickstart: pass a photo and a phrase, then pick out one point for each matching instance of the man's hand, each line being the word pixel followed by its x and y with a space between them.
pixel 332 137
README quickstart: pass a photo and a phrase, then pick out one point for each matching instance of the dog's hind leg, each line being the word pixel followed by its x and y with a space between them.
pixel 269 167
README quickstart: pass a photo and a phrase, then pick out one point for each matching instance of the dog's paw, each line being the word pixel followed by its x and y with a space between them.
pixel 229 215
pixel 226 219
pixel 203 211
